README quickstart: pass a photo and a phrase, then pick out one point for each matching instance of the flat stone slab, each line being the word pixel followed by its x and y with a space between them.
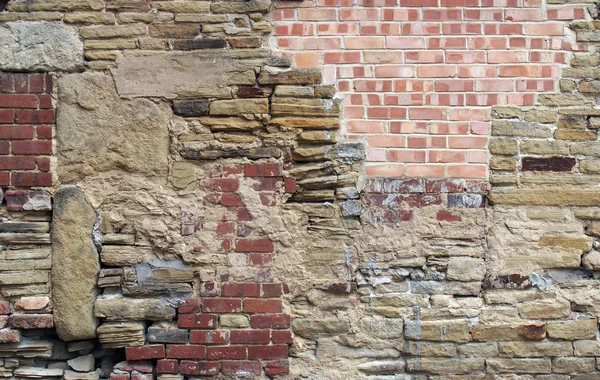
pixel 167 74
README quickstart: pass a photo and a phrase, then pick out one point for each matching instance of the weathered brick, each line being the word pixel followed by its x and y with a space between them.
pixel 145 352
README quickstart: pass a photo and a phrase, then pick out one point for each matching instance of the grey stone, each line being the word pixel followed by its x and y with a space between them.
pixel 313 328
pixel 129 135
pixel 75 265
pixel 351 208
pixel 84 363
pixel 466 200
pixel 39 46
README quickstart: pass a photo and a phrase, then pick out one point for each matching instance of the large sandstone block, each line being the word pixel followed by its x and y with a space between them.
pixel 75 265
pixel 98 131
pixel 167 74
pixel 39 46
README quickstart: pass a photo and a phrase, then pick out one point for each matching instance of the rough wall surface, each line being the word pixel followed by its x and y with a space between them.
pixel 210 202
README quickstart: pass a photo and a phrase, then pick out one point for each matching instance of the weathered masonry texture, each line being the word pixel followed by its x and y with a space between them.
pixel 323 189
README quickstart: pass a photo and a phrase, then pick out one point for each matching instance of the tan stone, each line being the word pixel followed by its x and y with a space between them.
pixel 512 366
pixel 544 147
pixel 480 350
pixel 445 366
pixel 90 18
pixel 34 16
pixel 232 320
pixel 239 106
pixel 451 331
pixel 535 349
pixel 304 107
pixel 117 255
pixel 551 309
pixel 591 261
pixel 430 349
pixel 131 309
pixel 75 265
pixel 113 44
pixel 507 332
pixel 503 163
pixel 573 365
pixel 504 146
pixel 62 5
pixel 129 135
pixel 573 330
pixel 574 135
pixel 587 347
pixel 465 269
pixel 182 7
pixel 184 176
pixel 114 31
pixel 545 197
pixel 133 17
pixel 589 166
pixel 579 243
pixel 519 128
pixel 162 78
pixel 306 123
pixel 102 55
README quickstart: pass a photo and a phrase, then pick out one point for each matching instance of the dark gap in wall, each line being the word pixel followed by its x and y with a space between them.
pixel 3 4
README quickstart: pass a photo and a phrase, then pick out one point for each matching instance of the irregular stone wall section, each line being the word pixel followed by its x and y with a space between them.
pixel 75 265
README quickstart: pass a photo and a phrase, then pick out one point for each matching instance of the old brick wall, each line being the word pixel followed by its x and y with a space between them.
pixel 299 189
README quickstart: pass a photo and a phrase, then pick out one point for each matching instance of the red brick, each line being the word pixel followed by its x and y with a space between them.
pixel 197 321
pixel 37 83
pixel 34 117
pixel 167 366
pixel 145 352
pixel 271 290
pixel 250 336
pixel 225 229
pixel 7 82
pixel 262 306
pixel 191 305
pixel 240 368
pixel 209 337
pixel 261 258
pixel 258 245
pixel 120 376
pixel 221 305
pixel 21 83
pixel 32 147
pixel 4 178
pixel 31 179
pixel 226 352
pixel 16 132
pixel 447 216
pixel 276 351
pixel 45 102
pixel 43 163
pixel 262 170
pixel 230 199
pixel 274 321
pixel 290 185
pixel 241 289
pixel 187 367
pixel 31 321
pixel 283 336
pixel 141 376
pixel 281 367
pixel 223 184
pixel 4 307
pixel 7 116
pixel 17 162
pixel 18 101
pixel 186 351
pixel 268 199
pixel 243 215
pixel 44 131
pixel 209 289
